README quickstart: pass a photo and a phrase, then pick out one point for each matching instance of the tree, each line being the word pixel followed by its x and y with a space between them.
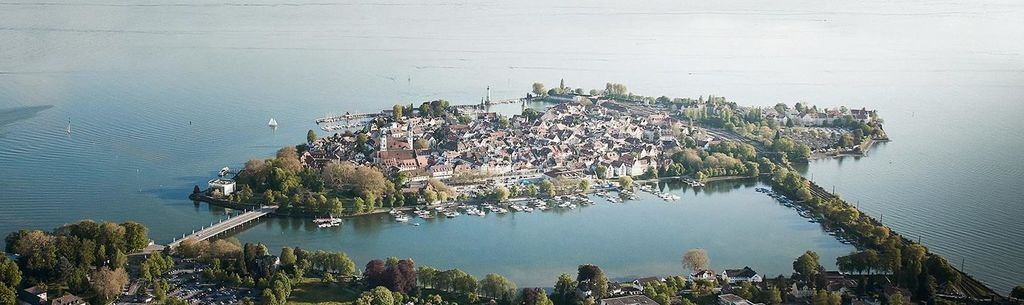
pixel 533 296
pixel 501 194
pixel 397 111
pixel 10 275
pixel 601 171
pixel 942 271
pixel 160 289
pixel 375 273
pixel 807 264
pixel 310 136
pixel 584 185
pixel 268 298
pixel 626 182
pixel 896 299
pixel 547 188
pixel 594 280
pixel 135 235
pixel 565 289
pixel 497 286
pixel 421 144
pixel 359 205
pixel 503 122
pixel 781 108
pixel 538 89
pixel 745 290
pixel 361 180
pixel 120 259
pixel 696 260
pixel 927 289
pixel 429 195
pixel 287 256
pixel 820 297
pixel 1017 292
pixel 108 283
pixel 773 296
pixel 7 295
pixel 382 296
pixel 531 114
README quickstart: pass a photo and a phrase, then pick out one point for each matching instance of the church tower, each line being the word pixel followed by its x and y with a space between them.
pixel 408 134
pixel 383 142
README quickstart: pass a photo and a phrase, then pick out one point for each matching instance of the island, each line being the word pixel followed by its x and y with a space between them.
pixel 439 154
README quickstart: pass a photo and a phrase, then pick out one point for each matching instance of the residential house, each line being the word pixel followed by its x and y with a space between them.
pixel 732 299
pixel 801 290
pixel 837 282
pixel 69 299
pixel 741 275
pixel 629 300
pixel 35 295
pixel 888 291
pixel 702 275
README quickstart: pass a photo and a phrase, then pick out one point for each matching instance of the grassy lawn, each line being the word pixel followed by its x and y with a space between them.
pixel 310 291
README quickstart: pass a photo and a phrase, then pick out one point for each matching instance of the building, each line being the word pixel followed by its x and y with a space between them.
pixel 741 275
pixel 34 295
pixel 226 186
pixel 68 299
pixel 888 291
pixel 703 275
pixel 629 300
pixel 732 299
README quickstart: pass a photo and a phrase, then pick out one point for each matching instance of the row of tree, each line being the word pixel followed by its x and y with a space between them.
pixel 881 251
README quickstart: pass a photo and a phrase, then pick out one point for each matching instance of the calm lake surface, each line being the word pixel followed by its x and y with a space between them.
pixel 161 94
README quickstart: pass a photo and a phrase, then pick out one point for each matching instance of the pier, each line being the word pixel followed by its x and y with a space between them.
pixel 347 117
pixel 225 225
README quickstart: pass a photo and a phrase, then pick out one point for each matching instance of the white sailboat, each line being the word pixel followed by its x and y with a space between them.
pixel 273 123
pixel 69 126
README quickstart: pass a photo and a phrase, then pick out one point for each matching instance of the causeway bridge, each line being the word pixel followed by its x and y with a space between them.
pixel 225 225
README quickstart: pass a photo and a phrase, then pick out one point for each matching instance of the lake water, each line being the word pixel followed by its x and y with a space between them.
pixel 161 94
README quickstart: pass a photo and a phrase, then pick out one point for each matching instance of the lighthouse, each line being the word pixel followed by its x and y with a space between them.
pixel 488 95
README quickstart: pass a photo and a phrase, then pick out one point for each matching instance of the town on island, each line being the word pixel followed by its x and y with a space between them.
pixel 566 148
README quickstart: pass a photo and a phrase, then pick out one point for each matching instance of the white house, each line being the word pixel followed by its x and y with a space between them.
pixel 702 275
pixel 226 186
pixel 741 275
